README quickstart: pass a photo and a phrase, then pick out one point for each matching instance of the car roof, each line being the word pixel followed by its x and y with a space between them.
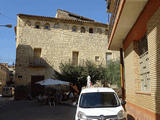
pixel 98 89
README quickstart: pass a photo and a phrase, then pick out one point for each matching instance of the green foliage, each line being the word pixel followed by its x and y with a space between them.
pixel 113 72
pixel 78 74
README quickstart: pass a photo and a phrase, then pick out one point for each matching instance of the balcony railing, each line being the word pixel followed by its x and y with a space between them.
pixel 37 62
pixel 115 6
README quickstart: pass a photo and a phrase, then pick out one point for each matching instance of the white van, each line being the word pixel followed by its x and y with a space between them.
pixel 99 104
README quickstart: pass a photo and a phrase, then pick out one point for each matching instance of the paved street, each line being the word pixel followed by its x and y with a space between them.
pixel 5 100
pixel 29 110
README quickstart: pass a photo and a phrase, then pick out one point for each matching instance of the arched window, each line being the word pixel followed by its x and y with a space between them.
pixel 37 25
pixel 99 30
pixel 56 25
pixel 90 30
pixel 47 26
pixel 28 23
pixel 74 29
pixel 83 30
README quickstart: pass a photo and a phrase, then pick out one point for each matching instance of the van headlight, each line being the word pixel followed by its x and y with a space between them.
pixel 81 116
pixel 121 114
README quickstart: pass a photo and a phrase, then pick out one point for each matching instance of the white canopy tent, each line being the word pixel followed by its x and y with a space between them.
pixel 52 82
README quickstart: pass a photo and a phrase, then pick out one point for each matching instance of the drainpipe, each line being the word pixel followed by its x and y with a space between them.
pixel 122 74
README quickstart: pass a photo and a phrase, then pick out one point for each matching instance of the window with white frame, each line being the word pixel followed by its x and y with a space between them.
pixel 144 64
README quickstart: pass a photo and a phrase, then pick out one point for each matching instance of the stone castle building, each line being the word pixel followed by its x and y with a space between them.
pixel 42 43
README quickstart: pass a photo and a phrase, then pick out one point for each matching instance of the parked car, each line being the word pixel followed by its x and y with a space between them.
pixel 7 91
pixel 99 104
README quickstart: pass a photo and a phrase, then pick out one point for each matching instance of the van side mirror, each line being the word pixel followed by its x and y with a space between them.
pixel 123 102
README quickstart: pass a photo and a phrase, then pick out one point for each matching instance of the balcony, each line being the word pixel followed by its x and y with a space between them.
pixel 112 8
pixel 37 63
pixel 124 14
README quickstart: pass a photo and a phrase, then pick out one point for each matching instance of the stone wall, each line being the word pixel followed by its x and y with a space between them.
pixel 4 76
pixel 57 45
pixel 67 15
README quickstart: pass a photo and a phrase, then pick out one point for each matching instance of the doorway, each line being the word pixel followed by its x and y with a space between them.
pixel 36 88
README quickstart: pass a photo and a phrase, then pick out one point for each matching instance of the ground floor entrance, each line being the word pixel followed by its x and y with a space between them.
pixel 36 88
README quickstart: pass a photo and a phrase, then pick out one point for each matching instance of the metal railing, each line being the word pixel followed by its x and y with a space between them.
pixel 113 17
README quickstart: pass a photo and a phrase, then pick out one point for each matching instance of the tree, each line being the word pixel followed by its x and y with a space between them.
pixel 113 72
pixel 78 74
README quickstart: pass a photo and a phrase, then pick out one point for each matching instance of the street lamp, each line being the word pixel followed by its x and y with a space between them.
pixel 9 26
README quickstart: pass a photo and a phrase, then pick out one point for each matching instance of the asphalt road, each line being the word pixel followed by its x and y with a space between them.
pixel 31 110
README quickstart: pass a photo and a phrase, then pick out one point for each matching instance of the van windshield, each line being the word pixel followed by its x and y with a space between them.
pixel 98 100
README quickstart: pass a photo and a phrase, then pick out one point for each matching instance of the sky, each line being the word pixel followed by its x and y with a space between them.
pixel 94 9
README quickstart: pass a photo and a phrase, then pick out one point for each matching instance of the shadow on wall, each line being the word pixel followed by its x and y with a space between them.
pixel 30 65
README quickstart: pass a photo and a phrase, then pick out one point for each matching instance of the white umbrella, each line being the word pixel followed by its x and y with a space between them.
pixel 50 82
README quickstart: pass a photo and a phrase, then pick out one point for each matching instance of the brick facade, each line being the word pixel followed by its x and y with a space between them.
pixel 141 54
pixel 144 105
pixel 153 31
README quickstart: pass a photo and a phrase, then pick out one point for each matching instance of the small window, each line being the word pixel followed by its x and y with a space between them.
pixel 75 58
pixel 83 30
pixel 90 30
pixel 37 52
pixel 37 25
pixel 47 26
pixel 74 29
pixel 56 25
pixel 97 58
pixel 108 57
pixel 143 45
pixel 19 76
pixel 28 23
pixel 99 30
pixel 106 32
